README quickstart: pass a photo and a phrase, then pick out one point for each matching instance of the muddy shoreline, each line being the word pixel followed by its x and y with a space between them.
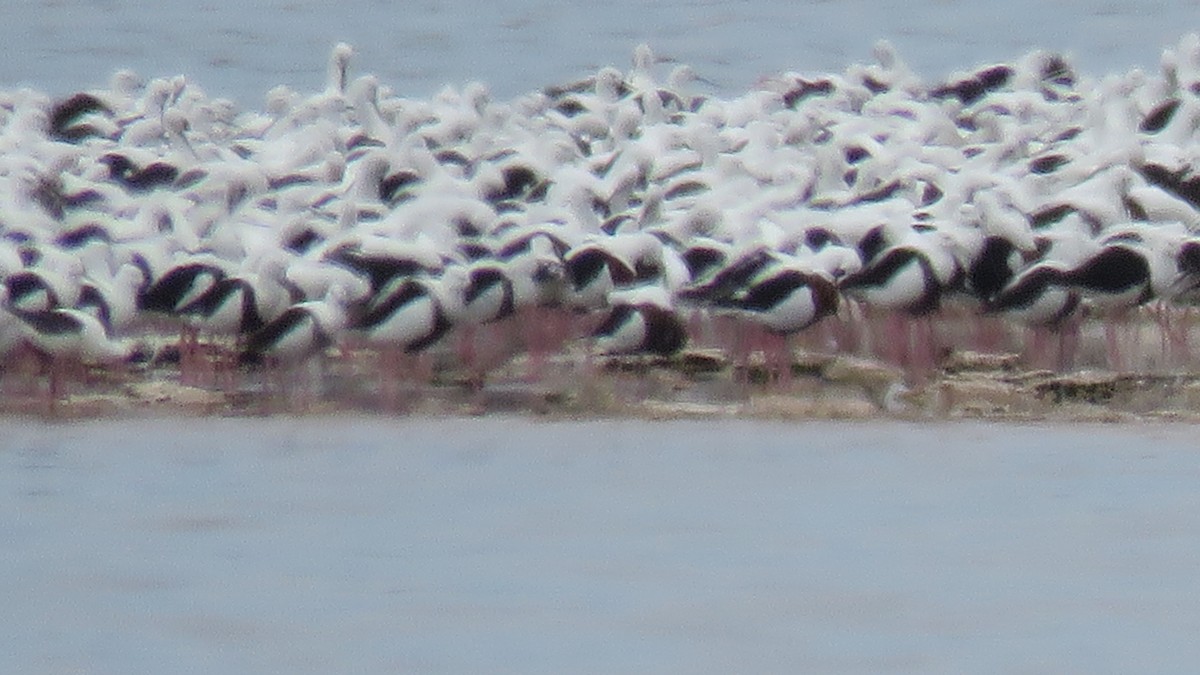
pixel 694 384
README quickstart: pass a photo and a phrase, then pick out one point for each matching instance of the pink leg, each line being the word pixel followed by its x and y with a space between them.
pixel 783 358
pixel 827 335
pixel 759 344
pixel 184 356
pixel 896 339
pixel 1038 347
pixel 1162 317
pixel 695 327
pixel 925 347
pixel 1173 324
pixel 529 321
pixel 740 348
pixel 1181 335
pixel 989 336
pixel 1112 342
pixel 467 351
pixel 1068 342
pixel 189 355
pixel 545 329
pixel 727 335
pixel 392 374
pixel 56 386
pixel 849 326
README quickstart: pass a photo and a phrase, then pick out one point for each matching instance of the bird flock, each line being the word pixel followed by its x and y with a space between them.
pixel 868 212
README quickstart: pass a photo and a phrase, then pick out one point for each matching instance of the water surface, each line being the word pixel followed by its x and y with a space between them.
pixel 242 49
pixel 505 545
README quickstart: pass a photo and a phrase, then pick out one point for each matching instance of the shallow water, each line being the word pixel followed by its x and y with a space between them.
pixel 241 49
pixel 509 545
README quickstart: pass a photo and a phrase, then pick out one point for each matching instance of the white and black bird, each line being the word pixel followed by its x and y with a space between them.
pixel 304 330
pixel 408 314
pixel 785 299
pixel 1041 295
pixel 902 279
pixel 640 328
pixel 68 339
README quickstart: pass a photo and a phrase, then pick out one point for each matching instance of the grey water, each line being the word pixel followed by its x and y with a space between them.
pixel 242 49
pixel 503 545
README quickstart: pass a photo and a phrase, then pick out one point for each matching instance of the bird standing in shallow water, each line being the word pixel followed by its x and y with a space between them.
pixel 169 294
pixel 69 340
pixel 301 335
pixel 404 319
pixel 1043 298
pixel 907 281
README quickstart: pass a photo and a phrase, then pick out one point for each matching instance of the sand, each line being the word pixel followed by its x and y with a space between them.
pixel 697 383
